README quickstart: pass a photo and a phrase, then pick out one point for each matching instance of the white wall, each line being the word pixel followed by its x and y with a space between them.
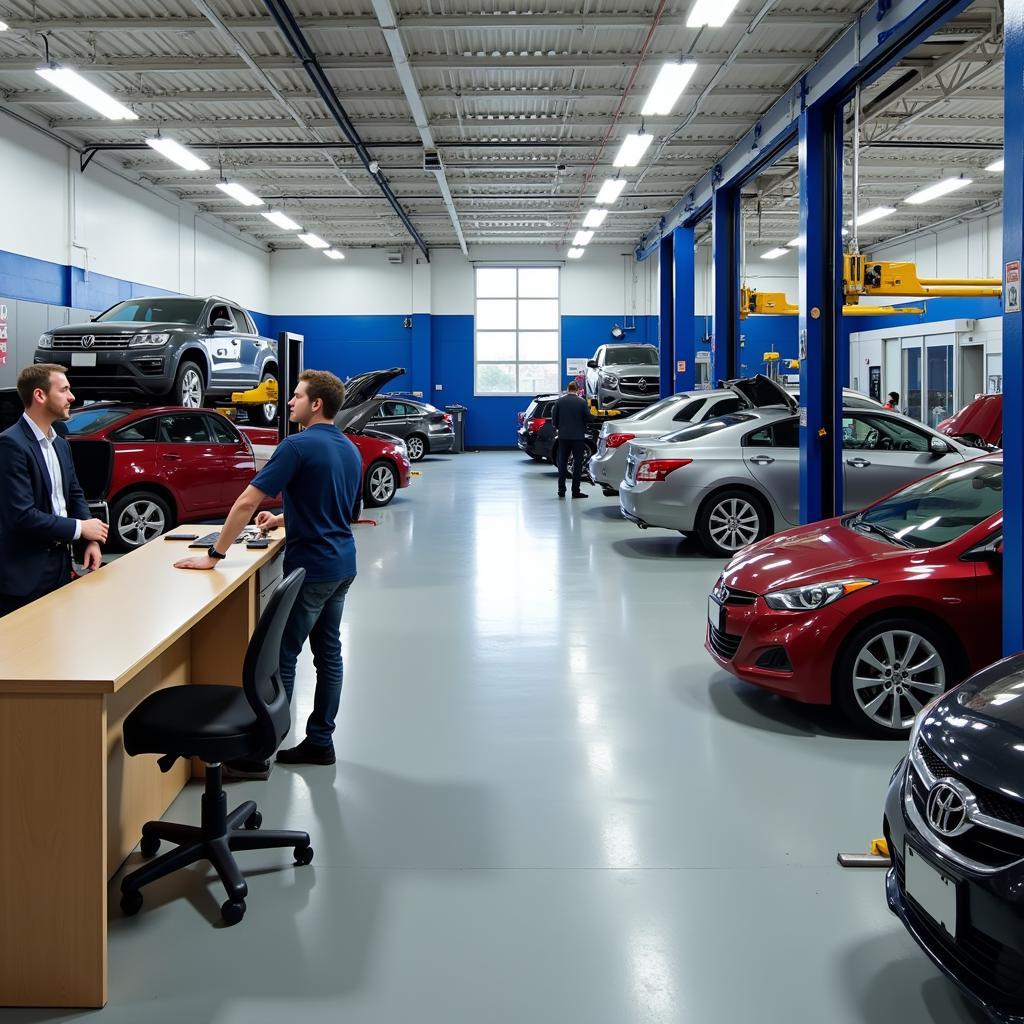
pixel 764 275
pixel 103 223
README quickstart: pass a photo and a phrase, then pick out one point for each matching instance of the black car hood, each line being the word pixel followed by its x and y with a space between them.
pixel 358 392
pixel 978 727
pixel 356 417
pixel 125 327
pixel 761 392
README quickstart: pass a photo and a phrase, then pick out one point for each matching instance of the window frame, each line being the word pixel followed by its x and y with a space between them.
pixel 477 362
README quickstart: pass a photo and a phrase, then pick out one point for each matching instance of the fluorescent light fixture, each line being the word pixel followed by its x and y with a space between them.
pixel 85 92
pixel 668 87
pixel 314 241
pixel 582 237
pixel 334 254
pixel 996 167
pixel 632 149
pixel 940 188
pixel 870 216
pixel 610 190
pixel 594 218
pixel 710 12
pixel 795 243
pixel 575 254
pixel 178 154
pixel 774 254
pixel 239 193
pixel 282 220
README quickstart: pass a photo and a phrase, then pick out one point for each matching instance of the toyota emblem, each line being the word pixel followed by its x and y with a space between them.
pixel 88 340
pixel 723 595
pixel 948 808
pixel 642 383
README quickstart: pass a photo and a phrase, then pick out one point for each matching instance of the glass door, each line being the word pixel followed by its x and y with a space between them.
pixel 913 384
pixel 939 379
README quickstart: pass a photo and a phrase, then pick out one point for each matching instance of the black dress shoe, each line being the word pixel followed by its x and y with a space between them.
pixel 561 494
pixel 581 495
pixel 307 753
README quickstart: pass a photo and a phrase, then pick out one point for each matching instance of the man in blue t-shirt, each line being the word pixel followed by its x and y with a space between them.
pixel 319 474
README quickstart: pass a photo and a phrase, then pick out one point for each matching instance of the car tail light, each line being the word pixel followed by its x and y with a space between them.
pixel 522 418
pixel 448 419
pixel 536 424
pixel 655 470
pixel 617 440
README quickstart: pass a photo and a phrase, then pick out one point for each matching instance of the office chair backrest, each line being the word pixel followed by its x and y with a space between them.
pixel 261 673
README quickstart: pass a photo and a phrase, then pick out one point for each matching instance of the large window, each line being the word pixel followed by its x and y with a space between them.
pixel 517 330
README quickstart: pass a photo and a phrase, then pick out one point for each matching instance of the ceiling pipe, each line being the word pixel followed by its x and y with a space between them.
pixel 282 15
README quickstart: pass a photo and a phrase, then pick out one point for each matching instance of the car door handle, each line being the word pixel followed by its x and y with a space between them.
pixel 858 463
pixel 169 457
pixel 762 460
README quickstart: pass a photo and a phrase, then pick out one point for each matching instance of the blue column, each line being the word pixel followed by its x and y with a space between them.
pixel 666 314
pixel 820 290
pixel 420 356
pixel 725 259
pixel 1013 333
pixel 685 343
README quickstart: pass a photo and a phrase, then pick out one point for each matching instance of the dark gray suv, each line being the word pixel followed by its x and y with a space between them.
pixel 187 351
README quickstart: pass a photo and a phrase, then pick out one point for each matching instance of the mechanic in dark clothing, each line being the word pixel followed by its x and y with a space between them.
pixel 570 417
pixel 319 474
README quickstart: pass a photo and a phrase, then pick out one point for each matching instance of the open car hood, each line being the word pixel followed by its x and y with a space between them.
pixel 359 391
pixel 760 392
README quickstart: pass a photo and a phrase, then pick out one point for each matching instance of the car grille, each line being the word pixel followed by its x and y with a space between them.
pixel 973 953
pixel 725 645
pixel 985 845
pixel 727 595
pixel 641 386
pixel 104 341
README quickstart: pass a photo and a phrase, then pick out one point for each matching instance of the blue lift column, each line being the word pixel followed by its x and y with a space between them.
pixel 725 259
pixel 1013 333
pixel 685 344
pixel 822 363
pixel 666 317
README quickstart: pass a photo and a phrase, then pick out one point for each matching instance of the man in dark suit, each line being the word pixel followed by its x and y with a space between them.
pixel 571 417
pixel 42 508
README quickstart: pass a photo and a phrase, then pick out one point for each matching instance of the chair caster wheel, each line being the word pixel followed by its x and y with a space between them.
pixel 232 911
pixel 303 854
pixel 253 821
pixel 131 903
pixel 150 846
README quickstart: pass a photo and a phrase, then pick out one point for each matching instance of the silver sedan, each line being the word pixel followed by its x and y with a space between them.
pixel 734 479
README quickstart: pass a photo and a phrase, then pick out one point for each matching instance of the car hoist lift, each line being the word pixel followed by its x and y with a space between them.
pixel 265 394
pixel 755 303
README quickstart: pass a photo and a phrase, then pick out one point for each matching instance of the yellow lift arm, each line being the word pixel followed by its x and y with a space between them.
pixel 863 276
pixel 262 395
pixel 755 303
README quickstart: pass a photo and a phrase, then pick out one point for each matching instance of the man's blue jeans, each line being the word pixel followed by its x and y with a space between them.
pixel 317 615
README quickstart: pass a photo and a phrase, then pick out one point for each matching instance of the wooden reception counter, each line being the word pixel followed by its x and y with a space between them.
pixel 72 803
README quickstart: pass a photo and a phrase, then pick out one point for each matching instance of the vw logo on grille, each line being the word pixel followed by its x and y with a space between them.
pixel 88 340
pixel 947 808
pixel 642 383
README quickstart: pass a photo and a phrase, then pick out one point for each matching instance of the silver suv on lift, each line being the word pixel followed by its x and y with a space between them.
pixel 624 377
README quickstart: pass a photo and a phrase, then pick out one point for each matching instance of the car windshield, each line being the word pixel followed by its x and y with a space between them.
pixel 89 420
pixel 711 426
pixel 667 403
pixel 155 311
pixel 639 356
pixel 938 509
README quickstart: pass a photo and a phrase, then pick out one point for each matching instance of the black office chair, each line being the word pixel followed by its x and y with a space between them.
pixel 216 724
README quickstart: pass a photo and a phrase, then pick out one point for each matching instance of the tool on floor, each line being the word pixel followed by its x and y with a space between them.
pixel 876 857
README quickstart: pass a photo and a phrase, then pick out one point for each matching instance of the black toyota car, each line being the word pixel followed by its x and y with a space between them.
pixel 183 350
pixel 954 821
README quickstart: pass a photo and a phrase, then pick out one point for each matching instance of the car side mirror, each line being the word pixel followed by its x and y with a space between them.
pixel 592 364
pixel 222 324
pixel 990 551
pixel 938 447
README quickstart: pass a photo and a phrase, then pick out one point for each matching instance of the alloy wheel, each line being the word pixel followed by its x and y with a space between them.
pixel 734 523
pixel 139 522
pixel 895 674
pixel 192 389
pixel 416 448
pixel 382 485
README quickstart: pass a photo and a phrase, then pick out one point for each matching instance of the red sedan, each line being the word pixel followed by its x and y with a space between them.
pixel 878 612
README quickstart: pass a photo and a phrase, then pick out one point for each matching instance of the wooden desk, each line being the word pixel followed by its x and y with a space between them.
pixel 72 803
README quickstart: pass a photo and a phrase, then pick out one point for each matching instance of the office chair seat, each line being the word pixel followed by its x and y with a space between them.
pixel 216 724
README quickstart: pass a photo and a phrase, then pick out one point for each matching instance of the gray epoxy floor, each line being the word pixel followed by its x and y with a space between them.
pixel 549 806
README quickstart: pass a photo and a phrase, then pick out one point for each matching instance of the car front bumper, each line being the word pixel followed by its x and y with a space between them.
pixel 986 958
pixel 115 372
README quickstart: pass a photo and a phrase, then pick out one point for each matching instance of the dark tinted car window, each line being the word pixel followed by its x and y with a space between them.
pixel 725 405
pixel 639 356
pixel 169 311
pixel 879 433
pixel 778 435
pixel 87 421
pixel 242 321
pixel 140 430
pixel 221 313
pixel 711 426
pixel 222 431
pixel 185 428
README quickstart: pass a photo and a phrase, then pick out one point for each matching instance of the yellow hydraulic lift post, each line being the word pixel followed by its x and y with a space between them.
pixel 864 276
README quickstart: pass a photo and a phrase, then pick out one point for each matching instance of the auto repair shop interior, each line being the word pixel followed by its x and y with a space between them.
pixel 734 738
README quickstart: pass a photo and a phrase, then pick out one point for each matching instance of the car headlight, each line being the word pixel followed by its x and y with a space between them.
pixel 814 596
pixel 610 379
pixel 45 341
pixel 149 340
